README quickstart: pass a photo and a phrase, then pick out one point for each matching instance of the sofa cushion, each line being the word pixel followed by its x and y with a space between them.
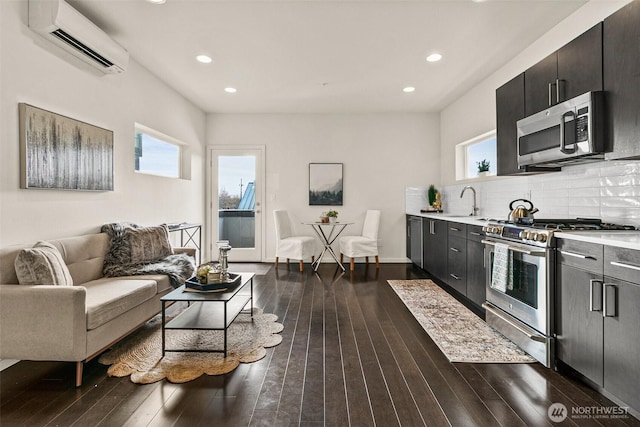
pixel 107 298
pixel 163 283
pixel 42 265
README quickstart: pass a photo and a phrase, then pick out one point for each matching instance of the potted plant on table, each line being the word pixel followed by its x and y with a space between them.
pixel 483 167
pixel 333 216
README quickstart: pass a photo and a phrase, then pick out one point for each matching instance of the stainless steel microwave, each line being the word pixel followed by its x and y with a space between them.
pixel 567 133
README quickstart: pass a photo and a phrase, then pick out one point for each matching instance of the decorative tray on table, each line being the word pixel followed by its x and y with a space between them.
pixel 193 285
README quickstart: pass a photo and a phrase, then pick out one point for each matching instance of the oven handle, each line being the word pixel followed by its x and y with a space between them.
pixel 516 249
pixel 531 336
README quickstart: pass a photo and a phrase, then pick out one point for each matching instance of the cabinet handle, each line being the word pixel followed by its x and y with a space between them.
pixel 454 229
pixel 575 255
pixel 592 283
pixel 623 265
pixel 432 228
pixel 559 90
pixel 475 233
pixel 608 306
pixel 454 276
pixel 454 249
pixel 551 94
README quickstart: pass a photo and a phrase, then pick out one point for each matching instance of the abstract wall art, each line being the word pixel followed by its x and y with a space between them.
pixel 59 152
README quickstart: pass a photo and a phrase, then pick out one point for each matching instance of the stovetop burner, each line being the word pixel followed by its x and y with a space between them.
pixel 539 232
pixel 571 224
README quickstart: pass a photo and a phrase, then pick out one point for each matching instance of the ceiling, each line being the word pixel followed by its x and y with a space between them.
pixel 324 56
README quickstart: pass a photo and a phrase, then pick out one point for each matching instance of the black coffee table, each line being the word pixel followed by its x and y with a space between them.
pixel 209 310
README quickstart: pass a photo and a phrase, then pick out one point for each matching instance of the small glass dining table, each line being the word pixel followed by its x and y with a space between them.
pixel 327 233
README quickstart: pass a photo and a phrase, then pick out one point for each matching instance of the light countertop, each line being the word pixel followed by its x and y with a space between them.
pixel 622 239
pixel 464 219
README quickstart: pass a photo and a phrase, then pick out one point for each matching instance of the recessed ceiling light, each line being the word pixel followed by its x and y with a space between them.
pixel 230 89
pixel 409 89
pixel 204 59
pixel 157 1
pixel 434 57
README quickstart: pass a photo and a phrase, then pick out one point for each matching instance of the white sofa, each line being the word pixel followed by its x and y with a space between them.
pixel 74 323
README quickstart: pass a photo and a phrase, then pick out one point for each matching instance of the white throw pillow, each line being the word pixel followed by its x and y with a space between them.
pixel 42 265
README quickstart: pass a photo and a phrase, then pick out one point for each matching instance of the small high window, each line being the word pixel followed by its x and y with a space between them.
pixel 156 153
pixel 476 157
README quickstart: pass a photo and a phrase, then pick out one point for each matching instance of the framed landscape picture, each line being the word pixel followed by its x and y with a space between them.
pixel 325 184
pixel 59 152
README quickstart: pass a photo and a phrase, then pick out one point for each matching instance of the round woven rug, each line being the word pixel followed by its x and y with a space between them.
pixel 140 354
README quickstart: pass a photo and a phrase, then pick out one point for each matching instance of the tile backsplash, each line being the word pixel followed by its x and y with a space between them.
pixel 606 190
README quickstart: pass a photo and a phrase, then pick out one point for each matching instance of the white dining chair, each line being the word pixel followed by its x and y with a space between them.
pixel 289 246
pixel 365 245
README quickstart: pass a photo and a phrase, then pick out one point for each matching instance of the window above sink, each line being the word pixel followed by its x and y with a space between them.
pixel 474 152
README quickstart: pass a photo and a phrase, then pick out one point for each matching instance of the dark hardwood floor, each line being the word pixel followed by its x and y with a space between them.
pixel 351 354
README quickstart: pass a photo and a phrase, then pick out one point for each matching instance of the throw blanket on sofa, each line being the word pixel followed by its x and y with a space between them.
pixel 136 250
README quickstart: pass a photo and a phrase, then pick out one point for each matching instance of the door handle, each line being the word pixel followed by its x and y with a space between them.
pixel 593 293
pixel 609 305
pixel 563 141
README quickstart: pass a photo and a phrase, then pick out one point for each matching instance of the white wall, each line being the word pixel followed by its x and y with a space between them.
pixel 36 72
pixel 606 189
pixel 381 153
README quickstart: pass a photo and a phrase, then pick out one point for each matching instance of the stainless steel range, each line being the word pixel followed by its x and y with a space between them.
pixel 521 279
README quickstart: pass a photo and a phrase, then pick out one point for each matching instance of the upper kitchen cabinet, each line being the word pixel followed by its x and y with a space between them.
pixel 509 109
pixel 572 70
pixel 622 81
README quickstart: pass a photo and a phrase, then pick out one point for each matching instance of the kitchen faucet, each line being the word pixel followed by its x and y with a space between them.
pixel 474 209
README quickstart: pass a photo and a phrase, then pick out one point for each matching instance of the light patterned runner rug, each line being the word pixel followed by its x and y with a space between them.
pixel 140 354
pixel 457 331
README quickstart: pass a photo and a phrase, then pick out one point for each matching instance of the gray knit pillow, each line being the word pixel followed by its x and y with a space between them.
pixel 148 243
pixel 42 265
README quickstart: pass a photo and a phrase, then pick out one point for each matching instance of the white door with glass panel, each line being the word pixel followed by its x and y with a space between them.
pixel 237 185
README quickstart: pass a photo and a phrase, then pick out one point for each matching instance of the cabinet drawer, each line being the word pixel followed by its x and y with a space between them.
pixel 457 229
pixel 622 263
pixel 587 256
pixel 475 233
pixel 457 264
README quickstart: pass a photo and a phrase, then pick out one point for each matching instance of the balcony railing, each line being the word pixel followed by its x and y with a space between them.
pixel 237 226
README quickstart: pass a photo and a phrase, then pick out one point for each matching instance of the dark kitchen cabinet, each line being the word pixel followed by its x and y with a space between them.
pixel 476 271
pixel 622 324
pixel 457 257
pixel 414 239
pixel 622 340
pixel 509 109
pixel 597 316
pixel 435 249
pixel 572 70
pixel 579 321
pixel 621 61
pixel 579 325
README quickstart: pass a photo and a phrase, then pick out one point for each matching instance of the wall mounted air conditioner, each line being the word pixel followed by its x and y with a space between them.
pixel 61 24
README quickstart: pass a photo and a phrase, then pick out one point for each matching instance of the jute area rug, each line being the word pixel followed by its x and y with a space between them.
pixel 459 333
pixel 140 354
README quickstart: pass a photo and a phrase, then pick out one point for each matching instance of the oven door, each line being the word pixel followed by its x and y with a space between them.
pixel 526 294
